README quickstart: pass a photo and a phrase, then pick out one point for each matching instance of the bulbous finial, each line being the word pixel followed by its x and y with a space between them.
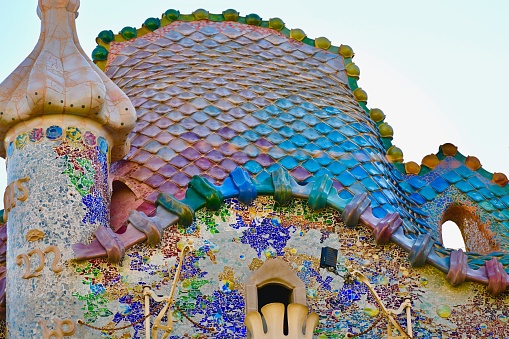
pixel 58 78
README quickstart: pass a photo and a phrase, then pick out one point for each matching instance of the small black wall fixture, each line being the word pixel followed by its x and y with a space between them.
pixel 329 257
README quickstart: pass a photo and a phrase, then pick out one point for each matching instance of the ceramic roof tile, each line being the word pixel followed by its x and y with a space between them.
pixel 215 103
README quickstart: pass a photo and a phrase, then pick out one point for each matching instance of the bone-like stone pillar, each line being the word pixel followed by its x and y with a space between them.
pixel 62 122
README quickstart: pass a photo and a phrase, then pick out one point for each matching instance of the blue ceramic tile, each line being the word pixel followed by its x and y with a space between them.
pixel 275 138
pixel 263 129
pixel 348 131
pixel 360 141
pixel 346 179
pixel 253 167
pixel 301 155
pixel 452 177
pixel 475 182
pixel 370 184
pixel 499 191
pixel 382 200
pixel 428 193
pixel 336 137
pixel 349 161
pixel 486 193
pixel 311 165
pixel 336 167
pixel 358 172
pixel 464 186
pixel 439 184
pixel 406 187
pixel 283 103
pixel 381 181
pixel 416 182
pixel 299 140
pixel 323 159
pixel 323 143
pixel 487 206
pixel 323 128
pixel 344 194
pixel 505 200
pixel 497 203
pixel 370 168
pixel 464 171
pixel 379 212
pixel 475 196
pixel 239 141
pixel 289 162
pixel 417 198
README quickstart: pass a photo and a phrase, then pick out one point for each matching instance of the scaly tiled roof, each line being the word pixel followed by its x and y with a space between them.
pixel 213 94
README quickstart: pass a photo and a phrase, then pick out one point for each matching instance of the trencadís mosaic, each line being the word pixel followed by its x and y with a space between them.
pixel 232 243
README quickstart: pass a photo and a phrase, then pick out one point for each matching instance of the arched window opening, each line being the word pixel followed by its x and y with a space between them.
pixel 452 237
pixel 476 235
pixel 123 200
pixel 275 293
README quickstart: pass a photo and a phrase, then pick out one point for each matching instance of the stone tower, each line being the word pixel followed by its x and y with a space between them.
pixel 62 122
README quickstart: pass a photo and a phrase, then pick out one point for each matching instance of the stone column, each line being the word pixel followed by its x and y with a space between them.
pixel 62 122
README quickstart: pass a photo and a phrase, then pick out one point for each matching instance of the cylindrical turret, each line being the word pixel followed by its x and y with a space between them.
pixel 61 122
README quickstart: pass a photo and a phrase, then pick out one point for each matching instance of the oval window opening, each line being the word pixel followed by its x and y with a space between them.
pixel 452 236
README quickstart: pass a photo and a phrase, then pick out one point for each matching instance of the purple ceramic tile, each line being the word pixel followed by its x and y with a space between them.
pixel 227 149
pixel 141 157
pixel 204 163
pixel 179 161
pixel 169 188
pixel 190 137
pixel 264 159
pixel 155 163
pixel 300 173
pixel 215 156
pixel 202 147
pixel 164 137
pixel 142 174
pixel 190 153
pixel 155 180
pixel 180 179
pixel 226 132
pixel 240 158
pixel 192 170
pixel 217 173
pixel 228 165
pixel 167 170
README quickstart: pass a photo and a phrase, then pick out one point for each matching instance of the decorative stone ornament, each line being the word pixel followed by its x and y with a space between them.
pixel 62 121
pixel 58 78
pixel 274 317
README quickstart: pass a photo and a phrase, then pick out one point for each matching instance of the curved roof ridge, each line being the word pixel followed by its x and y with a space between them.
pixel 393 153
pixel 430 161
pixel 460 266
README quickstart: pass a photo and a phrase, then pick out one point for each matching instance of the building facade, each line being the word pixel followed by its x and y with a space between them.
pixel 207 172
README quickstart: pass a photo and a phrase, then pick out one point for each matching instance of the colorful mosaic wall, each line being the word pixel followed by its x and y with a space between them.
pixel 62 195
pixel 230 244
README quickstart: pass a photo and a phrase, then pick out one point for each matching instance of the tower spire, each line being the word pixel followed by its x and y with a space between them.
pixel 62 121
pixel 58 78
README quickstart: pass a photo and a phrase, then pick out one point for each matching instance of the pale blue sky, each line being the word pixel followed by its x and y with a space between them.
pixel 438 69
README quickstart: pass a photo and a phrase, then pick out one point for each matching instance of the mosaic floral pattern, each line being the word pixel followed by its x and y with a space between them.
pixel 211 290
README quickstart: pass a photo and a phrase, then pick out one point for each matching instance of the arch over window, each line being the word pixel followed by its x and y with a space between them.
pixel 476 235
pixel 274 275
